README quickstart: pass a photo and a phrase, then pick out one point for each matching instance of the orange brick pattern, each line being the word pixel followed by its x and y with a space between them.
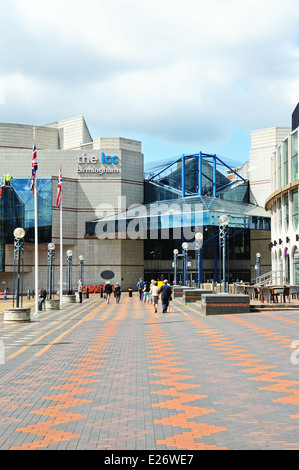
pixel 255 369
pixel 123 377
pixel 84 373
pixel 172 372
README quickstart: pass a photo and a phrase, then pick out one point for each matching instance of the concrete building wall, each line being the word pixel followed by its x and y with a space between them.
pixel 88 190
pixel 73 132
pixel 21 137
pixel 263 145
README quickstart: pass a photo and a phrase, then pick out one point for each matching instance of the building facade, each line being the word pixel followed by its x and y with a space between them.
pixel 283 203
pixel 125 221
pixel 100 176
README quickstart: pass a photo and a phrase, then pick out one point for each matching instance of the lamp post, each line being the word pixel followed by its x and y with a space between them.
pixel 175 265
pixel 81 268
pixel 223 221
pixel 198 238
pixel 51 259
pixel 69 255
pixel 258 265
pixel 19 234
pixel 185 264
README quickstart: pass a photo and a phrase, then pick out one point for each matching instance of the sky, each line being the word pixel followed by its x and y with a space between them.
pixel 180 76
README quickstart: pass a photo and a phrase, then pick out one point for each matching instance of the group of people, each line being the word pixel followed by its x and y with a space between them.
pixel 150 291
pixel 42 294
pixel 108 291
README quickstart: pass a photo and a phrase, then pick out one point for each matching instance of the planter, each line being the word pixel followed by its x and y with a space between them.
pixel 51 304
pixel 17 314
pixel 69 299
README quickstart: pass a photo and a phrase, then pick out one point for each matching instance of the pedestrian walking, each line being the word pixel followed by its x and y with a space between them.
pixel 154 292
pixel 108 291
pixel 80 290
pixel 146 292
pixel 140 287
pixel 165 292
pixel 151 285
pixel 117 292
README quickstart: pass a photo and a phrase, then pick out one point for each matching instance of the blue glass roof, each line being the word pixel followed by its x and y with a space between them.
pixel 193 211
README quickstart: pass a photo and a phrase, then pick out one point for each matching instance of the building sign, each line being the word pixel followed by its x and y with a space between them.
pixel 93 164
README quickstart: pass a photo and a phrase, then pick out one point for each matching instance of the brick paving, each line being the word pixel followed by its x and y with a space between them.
pixel 121 377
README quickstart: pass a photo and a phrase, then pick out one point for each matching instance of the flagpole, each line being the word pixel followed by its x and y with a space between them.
pixel 35 240
pixel 61 252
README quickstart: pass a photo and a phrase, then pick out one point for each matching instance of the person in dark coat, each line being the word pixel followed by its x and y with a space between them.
pixel 108 291
pixel 42 294
pixel 165 291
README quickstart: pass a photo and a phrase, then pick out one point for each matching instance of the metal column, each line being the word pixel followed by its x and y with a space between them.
pixel 183 176
pixel 200 174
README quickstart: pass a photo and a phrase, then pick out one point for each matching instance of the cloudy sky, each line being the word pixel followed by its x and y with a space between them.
pixel 181 76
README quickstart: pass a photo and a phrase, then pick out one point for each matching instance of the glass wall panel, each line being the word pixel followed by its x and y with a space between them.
pixel 295 208
pixel 279 214
pixel 11 217
pixel 286 162
pixel 170 181
pixel 296 266
pixel 294 145
pixel 286 211
pixel 279 167
pixel 17 210
pixel 44 206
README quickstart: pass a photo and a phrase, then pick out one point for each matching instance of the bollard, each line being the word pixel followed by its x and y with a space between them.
pixel 87 293
pixel 28 294
pixel 5 294
pixel 130 292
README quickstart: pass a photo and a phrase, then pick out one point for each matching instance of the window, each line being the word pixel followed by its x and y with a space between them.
pixel 295 208
pixel 279 215
pixel 279 167
pixel 286 211
pixel 286 162
pixel 296 266
pixel 294 146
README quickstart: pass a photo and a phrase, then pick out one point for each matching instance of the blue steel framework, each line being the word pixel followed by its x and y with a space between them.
pixel 194 180
pixel 214 161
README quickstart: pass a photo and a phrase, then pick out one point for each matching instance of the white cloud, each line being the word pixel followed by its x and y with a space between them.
pixel 186 72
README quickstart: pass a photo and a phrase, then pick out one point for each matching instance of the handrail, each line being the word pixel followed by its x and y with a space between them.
pixel 272 277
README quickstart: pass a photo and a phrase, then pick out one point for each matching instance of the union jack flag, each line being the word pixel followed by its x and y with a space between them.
pixel 34 167
pixel 59 189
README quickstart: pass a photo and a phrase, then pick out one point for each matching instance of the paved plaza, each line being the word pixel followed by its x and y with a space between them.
pixel 121 377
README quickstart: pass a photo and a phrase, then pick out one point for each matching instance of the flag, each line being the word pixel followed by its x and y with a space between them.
pixel 59 189
pixel 34 167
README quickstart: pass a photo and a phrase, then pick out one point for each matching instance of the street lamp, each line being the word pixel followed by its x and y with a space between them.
pixel 51 260
pixel 19 234
pixel 198 238
pixel 185 264
pixel 81 268
pixel 175 265
pixel 69 255
pixel 258 265
pixel 223 221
